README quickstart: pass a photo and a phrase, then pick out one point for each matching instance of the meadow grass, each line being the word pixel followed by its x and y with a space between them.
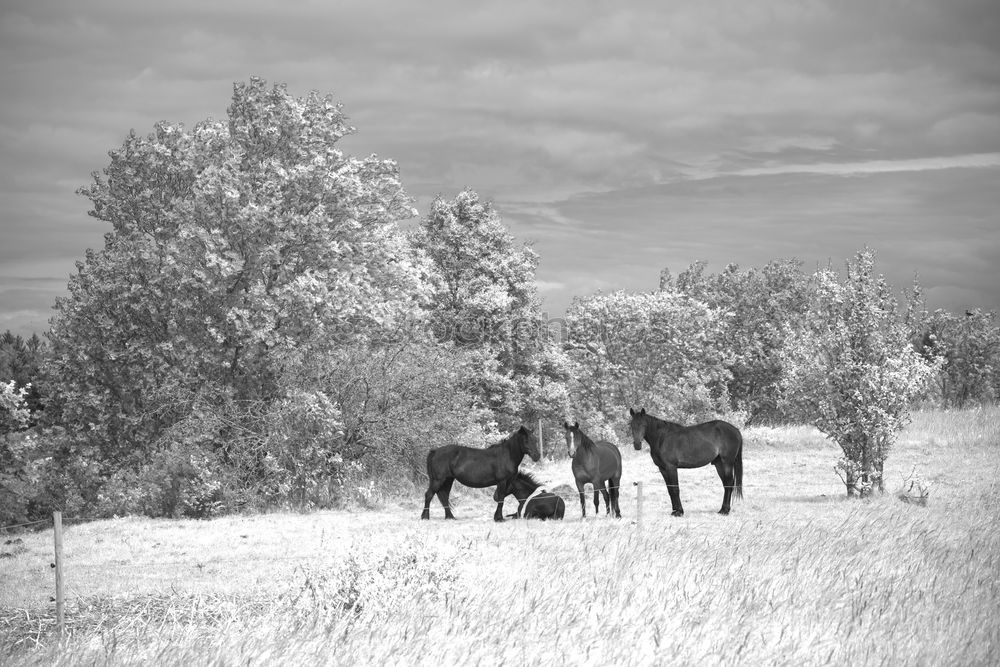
pixel 796 575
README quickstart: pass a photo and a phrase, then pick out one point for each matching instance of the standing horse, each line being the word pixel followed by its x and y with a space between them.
pixel 478 468
pixel 673 446
pixel 597 463
pixel 534 502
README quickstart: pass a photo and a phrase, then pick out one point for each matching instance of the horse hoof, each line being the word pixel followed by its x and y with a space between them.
pixel 724 512
pixel 677 513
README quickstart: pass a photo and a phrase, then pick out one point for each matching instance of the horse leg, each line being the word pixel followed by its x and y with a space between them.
pixel 443 494
pixel 669 473
pixel 583 498
pixel 614 484
pixel 607 498
pixel 725 471
pixel 498 496
pixel 432 488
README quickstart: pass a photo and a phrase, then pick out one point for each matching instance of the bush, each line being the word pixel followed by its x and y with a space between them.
pixel 179 481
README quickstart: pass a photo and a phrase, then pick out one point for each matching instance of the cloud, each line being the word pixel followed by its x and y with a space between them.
pixel 978 160
pixel 587 122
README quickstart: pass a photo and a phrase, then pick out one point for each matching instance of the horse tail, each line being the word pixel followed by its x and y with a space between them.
pixel 738 467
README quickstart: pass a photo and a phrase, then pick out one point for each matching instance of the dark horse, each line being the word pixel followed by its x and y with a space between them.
pixel 673 446
pixel 497 464
pixel 534 502
pixel 597 463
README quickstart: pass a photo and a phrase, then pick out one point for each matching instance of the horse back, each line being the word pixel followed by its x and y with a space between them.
pixel 716 436
pixel 471 466
pixel 730 437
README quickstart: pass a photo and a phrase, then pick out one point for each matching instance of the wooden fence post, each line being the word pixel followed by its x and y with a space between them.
pixel 58 566
pixel 638 507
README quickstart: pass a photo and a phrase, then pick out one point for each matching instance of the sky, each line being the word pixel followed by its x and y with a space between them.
pixel 617 138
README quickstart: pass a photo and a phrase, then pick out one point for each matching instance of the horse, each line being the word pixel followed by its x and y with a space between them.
pixel 534 502
pixel 478 468
pixel 673 446
pixel 597 463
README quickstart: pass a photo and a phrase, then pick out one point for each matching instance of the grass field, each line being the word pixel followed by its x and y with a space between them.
pixel 796 575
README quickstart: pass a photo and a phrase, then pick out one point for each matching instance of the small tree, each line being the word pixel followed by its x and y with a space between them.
pixel 14 416
pixel 853 370
pixel 968 347
pixel 486 300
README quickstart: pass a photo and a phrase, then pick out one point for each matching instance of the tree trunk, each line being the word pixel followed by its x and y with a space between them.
pixel 851 483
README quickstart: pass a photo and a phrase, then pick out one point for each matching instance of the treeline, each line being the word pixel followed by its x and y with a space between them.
pixel 260 330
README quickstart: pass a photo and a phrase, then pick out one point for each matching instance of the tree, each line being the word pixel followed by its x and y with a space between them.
pixel 229 242
pixel 486 300
pixel 661 350
pixel 968 347
pixel 761 306
pixel 20 360
pixel 853 370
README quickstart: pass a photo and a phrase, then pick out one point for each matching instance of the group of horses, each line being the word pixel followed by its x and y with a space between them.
pixel 671 446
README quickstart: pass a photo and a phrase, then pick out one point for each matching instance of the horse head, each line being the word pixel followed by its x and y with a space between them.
pixel 573 437
pixel 529 443
pixel 638 427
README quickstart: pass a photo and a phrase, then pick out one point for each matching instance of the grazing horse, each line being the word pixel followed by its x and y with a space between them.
pixel 478 468
pixel 673 446
pixel 534 502
pixel 597 463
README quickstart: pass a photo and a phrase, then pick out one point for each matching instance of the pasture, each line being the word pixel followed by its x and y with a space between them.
pixel 797 574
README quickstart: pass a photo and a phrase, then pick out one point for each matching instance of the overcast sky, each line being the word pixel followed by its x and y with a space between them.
pixel 619 138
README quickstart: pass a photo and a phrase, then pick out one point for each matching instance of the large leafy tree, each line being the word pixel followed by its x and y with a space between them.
pixel 853 371
pixel 229 242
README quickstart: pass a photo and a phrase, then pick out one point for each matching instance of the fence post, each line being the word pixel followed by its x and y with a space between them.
pixel 638 507
pixel 58 566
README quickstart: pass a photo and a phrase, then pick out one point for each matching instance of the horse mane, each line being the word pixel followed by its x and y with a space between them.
pixel 529 478
pixel 509 438
pixel 585 439
pixel 661 423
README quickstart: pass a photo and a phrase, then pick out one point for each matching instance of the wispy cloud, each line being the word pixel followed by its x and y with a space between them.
pixel 978 160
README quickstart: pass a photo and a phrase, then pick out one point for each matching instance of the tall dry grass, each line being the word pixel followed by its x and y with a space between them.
pixel 796 575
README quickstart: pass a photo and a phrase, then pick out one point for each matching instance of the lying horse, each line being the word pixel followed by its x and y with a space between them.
pixel 534 502
pixel 673 446
pixel 478 468
pixel 597 463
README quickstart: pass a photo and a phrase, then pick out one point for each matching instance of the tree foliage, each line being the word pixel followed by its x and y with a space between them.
pixel 20 360
pixel 662 350
pixel 760 306
pixel 967 347
pixel 486 300
pixel 852 371
pixel 229 242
